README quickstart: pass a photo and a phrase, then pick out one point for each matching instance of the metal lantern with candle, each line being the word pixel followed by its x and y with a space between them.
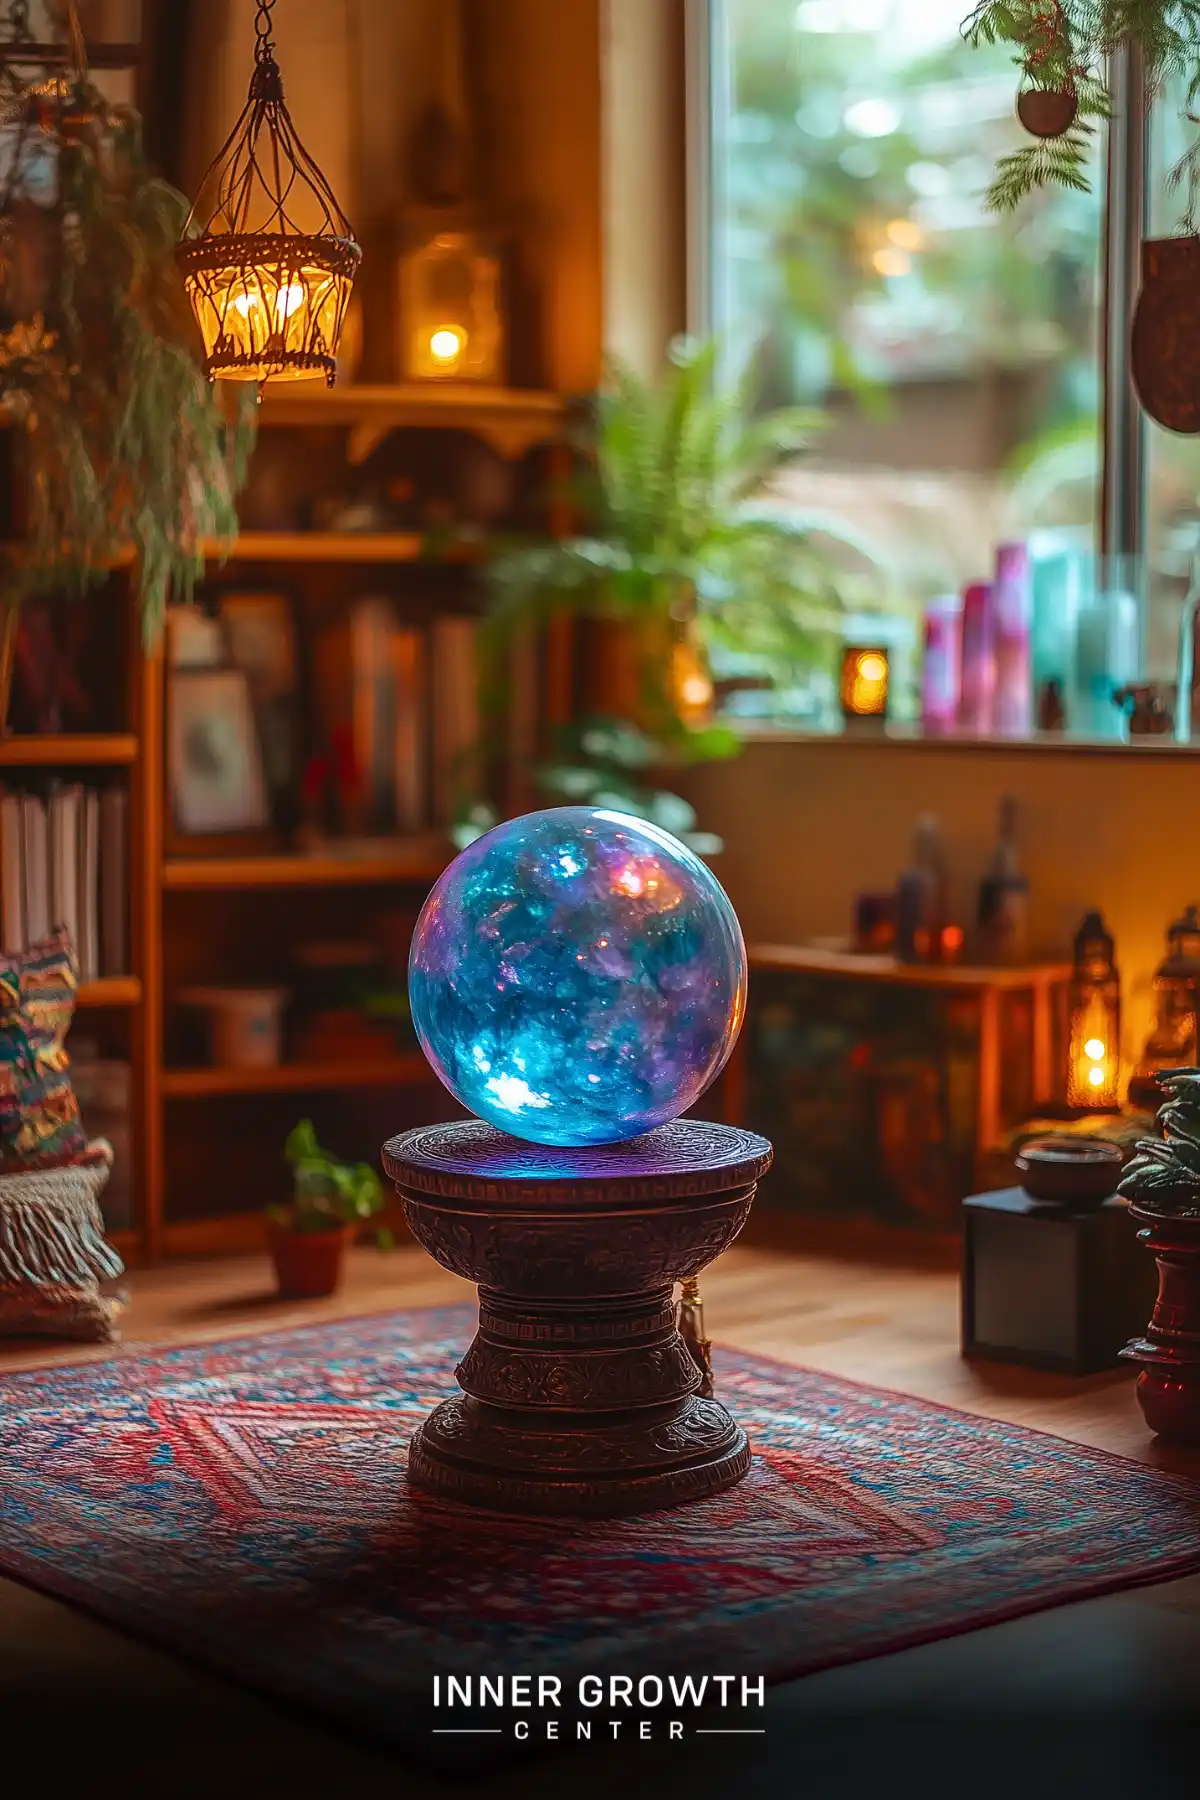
pixel 1172 1043
pixel 1094 1056
pixel 270 263
pixel 866 672
pixel 450 316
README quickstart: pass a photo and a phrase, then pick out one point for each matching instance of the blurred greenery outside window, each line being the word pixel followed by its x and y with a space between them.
pixel 954 354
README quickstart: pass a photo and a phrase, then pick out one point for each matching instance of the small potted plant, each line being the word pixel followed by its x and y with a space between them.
pixel 331 1201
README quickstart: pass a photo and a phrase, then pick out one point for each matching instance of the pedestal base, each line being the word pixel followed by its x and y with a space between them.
pixel 1168 1388
pixel 618 1467
pixel 579 1394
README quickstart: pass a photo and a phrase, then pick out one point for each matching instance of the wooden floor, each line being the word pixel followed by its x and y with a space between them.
pixel 1093 1693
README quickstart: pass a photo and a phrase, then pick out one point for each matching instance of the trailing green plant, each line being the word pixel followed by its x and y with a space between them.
pixel 1061 46
pixel 127 446
pixel 328 1192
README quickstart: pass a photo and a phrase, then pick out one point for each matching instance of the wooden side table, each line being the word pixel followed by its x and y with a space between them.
pixel 884 1085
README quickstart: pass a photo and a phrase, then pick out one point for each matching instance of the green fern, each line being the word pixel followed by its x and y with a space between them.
pixel 672 466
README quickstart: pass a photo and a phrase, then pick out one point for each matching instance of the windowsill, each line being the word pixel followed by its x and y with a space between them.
pixel 761 731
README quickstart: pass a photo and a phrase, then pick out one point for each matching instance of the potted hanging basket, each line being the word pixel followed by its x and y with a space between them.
pixel 1048 112
pixel 125 449
pixel 1165 339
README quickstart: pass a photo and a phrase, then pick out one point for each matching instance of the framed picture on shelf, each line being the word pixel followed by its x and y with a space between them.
pixel 215 766
pixel 195 639
pixel 260 634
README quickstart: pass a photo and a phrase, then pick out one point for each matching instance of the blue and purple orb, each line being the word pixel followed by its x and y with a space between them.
pixel 577 977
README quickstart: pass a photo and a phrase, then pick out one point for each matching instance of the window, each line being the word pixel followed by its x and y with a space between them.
pixel 953 354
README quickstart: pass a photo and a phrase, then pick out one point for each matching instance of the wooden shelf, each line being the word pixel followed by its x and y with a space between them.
pixel 423 864
pixel 339 547
pixel 831 958
pixel 297 1078
pixel 110 990
pixel 101 749
pixel 511 420
pixel 227 1236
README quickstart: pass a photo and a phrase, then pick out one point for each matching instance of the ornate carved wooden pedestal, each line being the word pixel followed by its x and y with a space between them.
pixel 579 1395
pixel 1168 1387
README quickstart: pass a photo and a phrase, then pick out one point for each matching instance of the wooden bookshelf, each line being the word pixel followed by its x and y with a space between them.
pixel 298 1078
pixel 336 547
pixel 86 750
pixel 110 990
pixel 511 420
pixel 241 873
pixel 215 891
pixel 229 1234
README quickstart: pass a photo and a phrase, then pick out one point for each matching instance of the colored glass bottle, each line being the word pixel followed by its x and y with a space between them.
pixel 1012 635
pixel 977 678
pixel 942 672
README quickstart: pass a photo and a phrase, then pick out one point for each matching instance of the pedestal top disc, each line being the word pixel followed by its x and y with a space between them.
pixel 469 1160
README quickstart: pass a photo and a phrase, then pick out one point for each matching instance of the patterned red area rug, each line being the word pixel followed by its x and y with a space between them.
pixel 245 1502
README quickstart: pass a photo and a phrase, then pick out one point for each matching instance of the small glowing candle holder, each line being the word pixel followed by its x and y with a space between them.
pixel 1094 1055
pixel 866 674
pixel 451 319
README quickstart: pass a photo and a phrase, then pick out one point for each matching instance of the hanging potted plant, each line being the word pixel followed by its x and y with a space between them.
pixel 1061 48
pixel 126 448
pixel 331 1202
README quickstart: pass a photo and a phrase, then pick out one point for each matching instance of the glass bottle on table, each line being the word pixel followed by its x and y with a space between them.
pixel 1003 915
pixel 921 895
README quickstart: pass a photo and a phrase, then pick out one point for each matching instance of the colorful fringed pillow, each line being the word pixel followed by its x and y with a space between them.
pixel 53 1256
pixel 40 1127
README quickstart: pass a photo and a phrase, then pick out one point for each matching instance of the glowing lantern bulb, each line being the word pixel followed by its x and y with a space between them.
pixel 1094 1048
pixel 446 344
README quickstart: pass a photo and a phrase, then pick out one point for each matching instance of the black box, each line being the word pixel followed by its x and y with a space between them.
pixel 1050 1286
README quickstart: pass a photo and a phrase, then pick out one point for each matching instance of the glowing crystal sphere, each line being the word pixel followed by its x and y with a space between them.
pixel 577 976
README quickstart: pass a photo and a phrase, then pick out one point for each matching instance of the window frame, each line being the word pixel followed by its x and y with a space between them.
pixel 1125 206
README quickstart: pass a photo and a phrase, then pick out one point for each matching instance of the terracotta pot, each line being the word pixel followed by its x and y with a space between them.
pixel 634 667
pixel 1047 112
pixel 1165 340
pixel 308 1264
pixel 1168 1387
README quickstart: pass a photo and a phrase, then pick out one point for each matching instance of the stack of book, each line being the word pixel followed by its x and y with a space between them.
pixel 64 861
pixel 415 713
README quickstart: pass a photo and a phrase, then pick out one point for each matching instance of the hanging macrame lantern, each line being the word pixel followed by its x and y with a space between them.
pixel 269 272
